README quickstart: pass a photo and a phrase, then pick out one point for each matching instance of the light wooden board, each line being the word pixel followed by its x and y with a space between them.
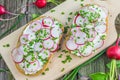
pixel 55 66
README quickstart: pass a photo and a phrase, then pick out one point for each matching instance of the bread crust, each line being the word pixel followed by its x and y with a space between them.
pixel 49 59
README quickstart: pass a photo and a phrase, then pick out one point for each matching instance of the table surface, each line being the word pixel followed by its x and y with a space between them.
pixel 99 65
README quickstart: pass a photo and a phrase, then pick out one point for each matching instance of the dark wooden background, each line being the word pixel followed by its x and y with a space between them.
pixel 98 65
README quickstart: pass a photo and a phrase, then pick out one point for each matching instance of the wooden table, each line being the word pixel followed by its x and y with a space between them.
pixel 98 65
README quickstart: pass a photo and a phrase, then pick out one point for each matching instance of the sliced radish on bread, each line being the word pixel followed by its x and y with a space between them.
pixel 44 34
pixel 24 39
pixel 85 50
pixel 44 54
pixel 98 43
pixel 80 38
pixel 48 44
pixel 35 26
pixel 32 67
pixel 54 48
pixel 100 28
pixel 18 58
pixel 71 45
pixel 78 20
pixel 56 32
pixel 38 47
pixel 47 22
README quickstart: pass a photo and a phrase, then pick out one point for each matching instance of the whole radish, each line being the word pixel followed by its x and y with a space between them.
pixel 40 3
pixel 2 10
pixel 113 53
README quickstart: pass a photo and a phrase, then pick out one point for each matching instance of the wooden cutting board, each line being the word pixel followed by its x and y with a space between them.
pixel 56 65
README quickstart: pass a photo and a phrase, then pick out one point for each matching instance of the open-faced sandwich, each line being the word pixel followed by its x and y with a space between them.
pixel 36 45
pixel 88 31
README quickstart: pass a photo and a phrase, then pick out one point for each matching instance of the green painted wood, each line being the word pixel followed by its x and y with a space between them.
pixel 96 66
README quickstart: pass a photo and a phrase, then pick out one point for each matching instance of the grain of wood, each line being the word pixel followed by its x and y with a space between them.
pixel 98 65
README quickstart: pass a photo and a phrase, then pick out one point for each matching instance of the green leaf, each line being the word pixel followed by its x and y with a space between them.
pixel 98 76
pixel 4 70
pixel 35 16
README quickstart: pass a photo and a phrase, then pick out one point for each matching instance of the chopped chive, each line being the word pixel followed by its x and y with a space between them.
pixel 62 69
pixel 62 13
pixel 52 11
pixel 6 45
pixel 60 56
pixel 47 69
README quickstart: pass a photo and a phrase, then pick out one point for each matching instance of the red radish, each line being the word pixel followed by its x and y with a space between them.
pixel 2 10
pixel 48 44
pixel 35 26
pixel 38 47
pixel 40 3
pixel 54 48
pixel 70 45
pixel 80 38
pixel 56 32
pixel 47 22
pixel 18 58
pixel 113 52
pixel 78 20
pixel 24 39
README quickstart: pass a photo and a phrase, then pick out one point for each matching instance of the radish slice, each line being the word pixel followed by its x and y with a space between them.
pixel 47 22
pixel 75 30
pixel 100 28
pixel 54 48
pixel 31 36
pixel 21 49
pixel 76 52
pixel 35 26
pixel 70 45
pixel 78 20
pixel 44 34
pixel 38 47
pixel 98 43
pixel 30 58
pixel 32 67
pixel 80 38
pixel 48 44
pixel 56 32
pixel 44 54
pixel 27 30
pixel 24 39
pixel 92 35
pixel 18 58
pixel 85 50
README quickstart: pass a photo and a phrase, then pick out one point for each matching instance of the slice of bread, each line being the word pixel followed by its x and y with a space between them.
pixel 88 31
pixel 37 44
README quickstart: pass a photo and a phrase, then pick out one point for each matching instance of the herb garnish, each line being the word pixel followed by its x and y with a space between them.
pixel 6 45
